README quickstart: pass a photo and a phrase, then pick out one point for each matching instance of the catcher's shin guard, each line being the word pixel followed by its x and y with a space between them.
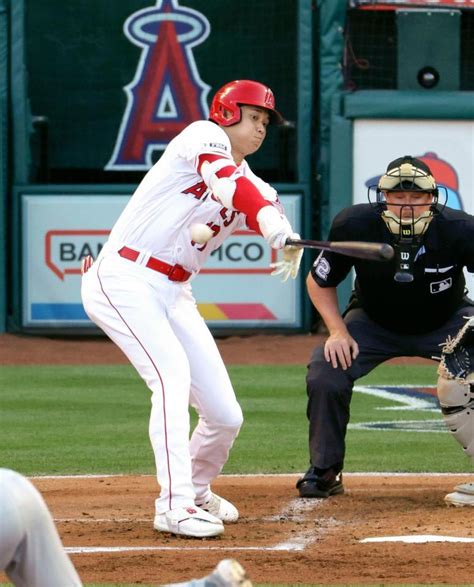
pixel 457 406
pixel 456 386
pixel 463 495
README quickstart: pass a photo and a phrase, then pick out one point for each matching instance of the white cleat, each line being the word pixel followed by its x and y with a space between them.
pixel 462 495
pixel 221 508
pixel 190 521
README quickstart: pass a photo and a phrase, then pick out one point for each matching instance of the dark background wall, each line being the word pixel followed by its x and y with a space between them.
pixel 78 61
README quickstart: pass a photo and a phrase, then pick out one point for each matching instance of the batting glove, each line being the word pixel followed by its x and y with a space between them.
pixel 290 264
pixel 274 226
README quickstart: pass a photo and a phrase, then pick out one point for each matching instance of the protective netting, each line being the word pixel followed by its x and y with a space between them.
pixel 370 56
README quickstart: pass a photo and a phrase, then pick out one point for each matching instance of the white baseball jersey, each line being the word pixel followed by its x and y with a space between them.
pixel 173 196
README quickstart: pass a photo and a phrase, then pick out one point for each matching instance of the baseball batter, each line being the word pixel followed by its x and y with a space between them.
pixel 139 292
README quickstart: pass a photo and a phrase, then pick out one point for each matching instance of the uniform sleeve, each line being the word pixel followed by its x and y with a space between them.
pixel 329 268
pixel 267 191
pixel 204 137
pixel 209 151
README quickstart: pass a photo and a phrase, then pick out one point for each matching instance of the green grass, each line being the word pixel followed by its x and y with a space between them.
pixel 94 419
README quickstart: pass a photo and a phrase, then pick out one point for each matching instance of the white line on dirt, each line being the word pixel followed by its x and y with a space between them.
pixel 111 549
pixel 104 520
pixel 417 539
pixel 258 475
pixel 275 518
pixel 295 510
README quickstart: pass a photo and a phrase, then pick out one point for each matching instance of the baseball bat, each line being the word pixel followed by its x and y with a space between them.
pixel 362 250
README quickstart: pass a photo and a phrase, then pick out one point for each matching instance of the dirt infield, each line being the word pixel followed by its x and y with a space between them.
pixel 279 538
pixel 236 350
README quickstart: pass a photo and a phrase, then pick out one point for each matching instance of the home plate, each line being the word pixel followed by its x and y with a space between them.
pixel 418 539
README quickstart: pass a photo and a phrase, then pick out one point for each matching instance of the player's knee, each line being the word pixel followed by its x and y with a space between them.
pixel 227 417
pixel 322 379
pixel 233 418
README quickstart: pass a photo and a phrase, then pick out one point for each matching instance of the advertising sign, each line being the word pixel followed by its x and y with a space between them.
pixel 446 146
pixel 233 290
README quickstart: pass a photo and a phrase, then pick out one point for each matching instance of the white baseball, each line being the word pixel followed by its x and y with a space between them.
pixel 201 233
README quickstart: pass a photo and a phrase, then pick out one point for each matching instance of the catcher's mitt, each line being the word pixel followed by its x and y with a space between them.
pixel 457 358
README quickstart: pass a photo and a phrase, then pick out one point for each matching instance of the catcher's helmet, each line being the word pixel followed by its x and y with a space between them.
pixel 242 92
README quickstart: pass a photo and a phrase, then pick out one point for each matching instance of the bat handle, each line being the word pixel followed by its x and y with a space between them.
pixel 290 242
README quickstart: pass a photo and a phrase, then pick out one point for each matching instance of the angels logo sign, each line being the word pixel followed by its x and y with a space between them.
pixel 166 93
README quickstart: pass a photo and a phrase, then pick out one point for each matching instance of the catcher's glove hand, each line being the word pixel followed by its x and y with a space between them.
pixel 457 358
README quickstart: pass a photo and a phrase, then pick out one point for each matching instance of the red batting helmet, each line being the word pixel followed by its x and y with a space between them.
pixel 242 92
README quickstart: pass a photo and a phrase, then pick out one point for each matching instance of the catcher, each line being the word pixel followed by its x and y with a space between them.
pixel 456 397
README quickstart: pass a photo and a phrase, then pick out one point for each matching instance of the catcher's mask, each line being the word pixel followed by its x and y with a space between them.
pixel 233 95
pixel 406 175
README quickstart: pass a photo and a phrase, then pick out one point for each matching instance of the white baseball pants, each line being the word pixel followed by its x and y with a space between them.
pixel 157 325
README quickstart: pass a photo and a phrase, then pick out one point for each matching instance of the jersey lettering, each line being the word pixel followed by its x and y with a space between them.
pixel 228 218
pixel 197 190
